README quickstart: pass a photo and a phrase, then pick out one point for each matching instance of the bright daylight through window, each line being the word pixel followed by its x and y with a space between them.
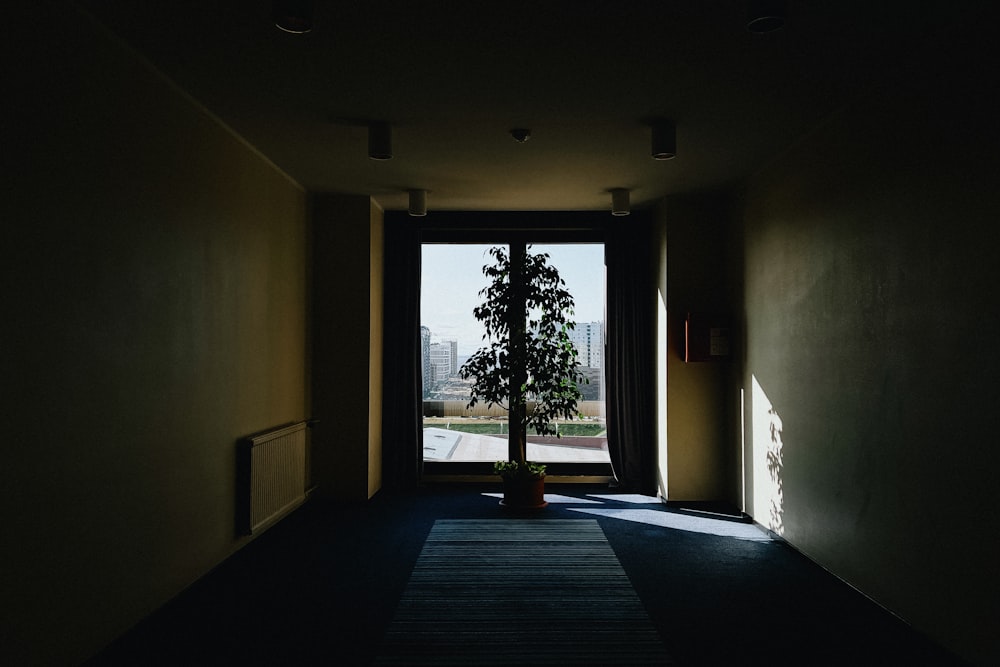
pixel 451 278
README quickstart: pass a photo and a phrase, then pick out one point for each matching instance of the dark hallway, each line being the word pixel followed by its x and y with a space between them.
pixel 321 588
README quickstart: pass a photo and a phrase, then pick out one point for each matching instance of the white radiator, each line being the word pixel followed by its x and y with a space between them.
pixel 277 464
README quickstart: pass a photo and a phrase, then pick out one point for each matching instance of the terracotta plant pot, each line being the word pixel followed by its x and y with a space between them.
pixel 524 493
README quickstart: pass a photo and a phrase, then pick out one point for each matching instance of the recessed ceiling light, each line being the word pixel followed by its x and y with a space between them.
pixel 765 15
pixel 294 16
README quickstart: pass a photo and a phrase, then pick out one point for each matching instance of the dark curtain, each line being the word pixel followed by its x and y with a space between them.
pixel 630 356
pixel 401 374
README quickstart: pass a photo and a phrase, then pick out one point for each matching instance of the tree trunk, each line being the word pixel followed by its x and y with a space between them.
pixel 517 440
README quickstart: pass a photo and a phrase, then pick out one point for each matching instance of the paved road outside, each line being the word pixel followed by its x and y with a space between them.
pixel 446 445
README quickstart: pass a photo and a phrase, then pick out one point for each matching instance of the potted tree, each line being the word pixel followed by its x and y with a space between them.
pixel 528 365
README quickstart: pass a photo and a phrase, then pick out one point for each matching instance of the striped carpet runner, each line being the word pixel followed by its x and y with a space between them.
pixel 520 592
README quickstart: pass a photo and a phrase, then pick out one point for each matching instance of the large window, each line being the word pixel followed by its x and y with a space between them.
pixel 628 385
pixel 451 277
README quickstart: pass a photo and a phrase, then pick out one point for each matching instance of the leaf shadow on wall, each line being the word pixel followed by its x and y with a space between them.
pixel 767 451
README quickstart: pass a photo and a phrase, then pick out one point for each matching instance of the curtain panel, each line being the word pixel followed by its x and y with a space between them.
pixel 401 410
pixel 630 356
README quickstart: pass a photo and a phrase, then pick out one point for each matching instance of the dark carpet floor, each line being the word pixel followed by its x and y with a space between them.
pixel 322 586
pixel 520 590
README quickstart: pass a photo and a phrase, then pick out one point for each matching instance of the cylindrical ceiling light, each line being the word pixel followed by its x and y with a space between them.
pixel 765 15
pixel 293 15
pixel 418 203
pixel 619 201
pixel 663 144
pixel 379 141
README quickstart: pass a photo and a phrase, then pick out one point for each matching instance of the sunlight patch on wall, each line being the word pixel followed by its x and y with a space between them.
pixel 767 445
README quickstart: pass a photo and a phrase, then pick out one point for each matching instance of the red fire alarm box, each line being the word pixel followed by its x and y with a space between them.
pixel 706 338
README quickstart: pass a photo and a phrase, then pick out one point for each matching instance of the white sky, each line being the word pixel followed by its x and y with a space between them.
pixel 453 275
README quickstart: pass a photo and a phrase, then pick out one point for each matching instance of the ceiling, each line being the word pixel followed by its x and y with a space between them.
pixel 453 78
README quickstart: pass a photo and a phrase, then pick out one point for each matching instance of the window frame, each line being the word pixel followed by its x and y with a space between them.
pixel 504 228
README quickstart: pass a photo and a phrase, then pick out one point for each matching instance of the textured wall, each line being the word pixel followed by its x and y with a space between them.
pixel 697 281
pixel 154 291
pixel 376 301
pixel 872 363
pixel 347 345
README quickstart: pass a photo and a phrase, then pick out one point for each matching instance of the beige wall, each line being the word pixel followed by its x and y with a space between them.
pixel 154 292
pixel 696 280
pixel 872 362
pixel 347 250
pixel 376 300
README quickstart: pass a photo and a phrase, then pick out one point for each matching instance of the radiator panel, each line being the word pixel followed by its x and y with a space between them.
pixel 277 474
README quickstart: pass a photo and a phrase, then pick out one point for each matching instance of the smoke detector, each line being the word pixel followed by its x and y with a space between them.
pixel 520 134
